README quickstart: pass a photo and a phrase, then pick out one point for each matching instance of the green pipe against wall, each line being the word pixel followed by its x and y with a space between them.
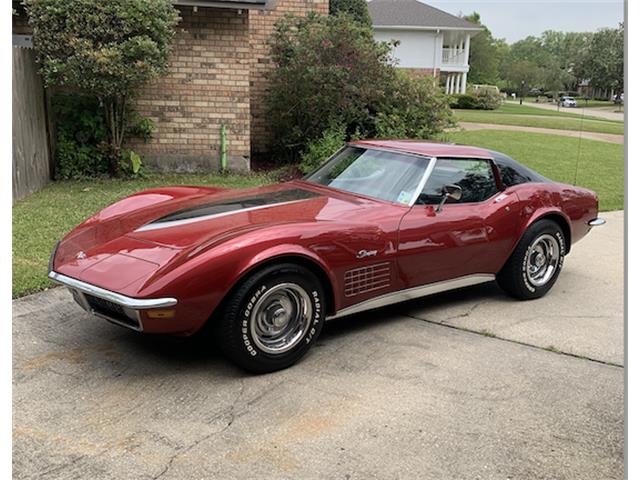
pixel 223 147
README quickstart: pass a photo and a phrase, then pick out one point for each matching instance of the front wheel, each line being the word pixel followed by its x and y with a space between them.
pixel 535 264
pixel 272 318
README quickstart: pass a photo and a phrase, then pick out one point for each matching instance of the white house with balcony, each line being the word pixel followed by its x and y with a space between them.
pixel 431 42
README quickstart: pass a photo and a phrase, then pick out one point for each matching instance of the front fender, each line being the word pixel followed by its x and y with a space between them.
pixel 287 250
pixel 201 284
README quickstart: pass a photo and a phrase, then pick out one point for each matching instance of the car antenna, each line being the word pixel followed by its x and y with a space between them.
pixel 575 175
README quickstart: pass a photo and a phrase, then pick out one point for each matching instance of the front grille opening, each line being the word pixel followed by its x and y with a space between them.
pixel 111 310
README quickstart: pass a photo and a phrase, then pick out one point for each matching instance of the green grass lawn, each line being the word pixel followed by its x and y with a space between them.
pixel 525 116
pixel 600 164
pixel 44 217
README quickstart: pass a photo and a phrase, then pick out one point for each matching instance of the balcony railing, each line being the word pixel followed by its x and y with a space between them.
pixel 451 56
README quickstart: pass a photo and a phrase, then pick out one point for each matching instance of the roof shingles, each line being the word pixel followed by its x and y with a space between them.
pixel 412 13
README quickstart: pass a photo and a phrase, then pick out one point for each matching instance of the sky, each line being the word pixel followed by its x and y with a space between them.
pixel 516 19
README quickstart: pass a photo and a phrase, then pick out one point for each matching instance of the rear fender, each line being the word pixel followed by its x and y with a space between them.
pixel 555 214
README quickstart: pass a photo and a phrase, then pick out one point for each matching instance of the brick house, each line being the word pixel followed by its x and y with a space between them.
pixel 216 76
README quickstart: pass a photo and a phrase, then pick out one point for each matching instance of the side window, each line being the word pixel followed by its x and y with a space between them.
pixel 510 176
pixel 474 177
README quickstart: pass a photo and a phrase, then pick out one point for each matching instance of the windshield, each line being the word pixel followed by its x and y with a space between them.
pixel 390 176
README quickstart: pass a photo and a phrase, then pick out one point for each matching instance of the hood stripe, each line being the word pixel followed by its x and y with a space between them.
pixel 222 209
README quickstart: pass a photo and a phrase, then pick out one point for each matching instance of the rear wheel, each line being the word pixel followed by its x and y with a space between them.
pixel 272 318
pixel 535 263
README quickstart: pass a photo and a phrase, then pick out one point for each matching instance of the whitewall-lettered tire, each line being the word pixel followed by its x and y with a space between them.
pixel 535 264
pixel 272 318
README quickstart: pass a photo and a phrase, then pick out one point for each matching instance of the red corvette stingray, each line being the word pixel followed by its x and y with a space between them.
pixel 379 222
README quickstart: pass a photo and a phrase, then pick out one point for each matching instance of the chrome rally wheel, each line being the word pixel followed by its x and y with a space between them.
pixel 280 318
pixel 271 319
pixel 542 260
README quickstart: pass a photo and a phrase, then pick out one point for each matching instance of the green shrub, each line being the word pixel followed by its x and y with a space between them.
pixel 461 100
pixel 81 149
pixel 80 133
pixel 331 72
pixel 488 100
pixel 76 160
pixel 140 127
pixel 413 107
pixel 483 100
pixel 319 150
pixel 131 164
pixel 328 70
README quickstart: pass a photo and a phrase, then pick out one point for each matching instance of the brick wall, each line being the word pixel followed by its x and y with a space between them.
pixel 261 25
pixel 216 75
pixel 207 84
pixel 422 72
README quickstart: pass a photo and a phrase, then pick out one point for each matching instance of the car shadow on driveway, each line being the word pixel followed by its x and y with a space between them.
pixel 200 351
pixel 469 295
pixel 107 351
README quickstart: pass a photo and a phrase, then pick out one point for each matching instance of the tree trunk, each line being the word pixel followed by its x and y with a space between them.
pixel 115 117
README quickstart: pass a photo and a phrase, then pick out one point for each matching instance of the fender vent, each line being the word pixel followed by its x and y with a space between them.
pixel 367 279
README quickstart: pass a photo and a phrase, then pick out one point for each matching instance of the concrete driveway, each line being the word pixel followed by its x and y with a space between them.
pixel 465 385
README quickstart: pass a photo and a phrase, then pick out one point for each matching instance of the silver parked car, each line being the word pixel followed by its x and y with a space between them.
pixel 568 102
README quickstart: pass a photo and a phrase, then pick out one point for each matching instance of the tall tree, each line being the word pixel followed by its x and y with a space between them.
pixel 571 51
pixel 529 57
pixel 484 55
pixel 605 68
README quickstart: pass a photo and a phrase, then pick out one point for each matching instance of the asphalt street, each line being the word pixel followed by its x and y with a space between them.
pixel 463 385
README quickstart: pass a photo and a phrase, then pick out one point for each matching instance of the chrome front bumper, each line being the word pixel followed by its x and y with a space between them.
pixel 111 306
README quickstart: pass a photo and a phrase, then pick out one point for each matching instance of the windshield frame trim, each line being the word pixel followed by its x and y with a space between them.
pixel 423 181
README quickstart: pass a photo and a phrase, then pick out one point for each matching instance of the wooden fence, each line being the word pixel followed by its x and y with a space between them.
pixel 31 153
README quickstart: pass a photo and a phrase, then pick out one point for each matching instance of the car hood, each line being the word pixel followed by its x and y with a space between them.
pixel 219 215
pixel 130 240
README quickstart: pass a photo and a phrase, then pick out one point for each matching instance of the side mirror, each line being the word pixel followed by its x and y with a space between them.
pixel 449 191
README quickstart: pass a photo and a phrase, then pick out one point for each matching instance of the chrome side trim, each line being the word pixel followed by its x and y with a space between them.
pixel 186 221
pixel 129 302
pixel 596 222
pixel 415 292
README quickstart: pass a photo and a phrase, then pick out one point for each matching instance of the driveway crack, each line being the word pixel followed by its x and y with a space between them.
pixel 516 342
pixel 197 442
